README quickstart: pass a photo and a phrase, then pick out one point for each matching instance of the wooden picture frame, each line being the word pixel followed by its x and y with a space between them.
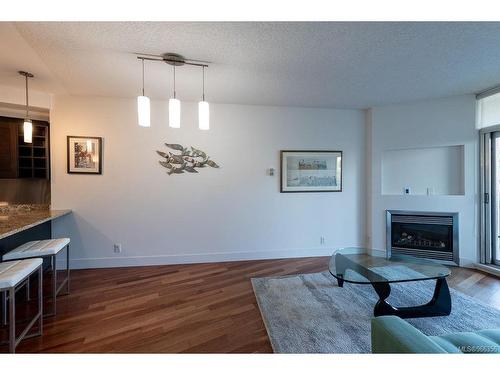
pixel 310 171
pixel 84 155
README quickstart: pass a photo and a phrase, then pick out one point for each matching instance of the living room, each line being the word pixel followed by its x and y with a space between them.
pixel 249 187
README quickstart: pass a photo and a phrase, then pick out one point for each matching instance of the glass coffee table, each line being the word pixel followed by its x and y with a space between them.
pixel 357 266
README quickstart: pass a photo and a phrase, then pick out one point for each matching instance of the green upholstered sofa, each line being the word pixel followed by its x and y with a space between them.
pixel 391 334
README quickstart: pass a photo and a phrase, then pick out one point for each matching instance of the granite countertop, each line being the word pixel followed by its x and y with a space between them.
pixel 15 221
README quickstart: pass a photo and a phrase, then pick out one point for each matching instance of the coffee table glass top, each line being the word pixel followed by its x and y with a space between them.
pixel 356 265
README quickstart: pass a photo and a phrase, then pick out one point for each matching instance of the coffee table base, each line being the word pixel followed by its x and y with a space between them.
pixel 439 305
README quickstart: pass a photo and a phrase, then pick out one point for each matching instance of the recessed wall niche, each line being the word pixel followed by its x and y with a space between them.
pixel 424 171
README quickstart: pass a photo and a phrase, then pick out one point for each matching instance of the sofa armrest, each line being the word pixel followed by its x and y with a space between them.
pixel 391 334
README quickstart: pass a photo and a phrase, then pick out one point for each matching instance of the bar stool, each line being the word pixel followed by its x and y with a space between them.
pixel 13 276
pixel 45 249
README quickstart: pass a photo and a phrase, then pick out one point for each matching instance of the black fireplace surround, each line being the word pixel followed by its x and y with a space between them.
pixel 431 235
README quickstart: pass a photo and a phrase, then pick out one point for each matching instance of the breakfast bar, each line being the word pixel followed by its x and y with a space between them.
pixel 20 225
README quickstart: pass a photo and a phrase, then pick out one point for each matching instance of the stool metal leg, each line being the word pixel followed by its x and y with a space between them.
pixel 67 276
pixel 12 320
pixel 54 287
pixel 40 299
pixel 67 268
pixel 38 318
pixel 54 283
pixel 28 289
pixel 4 308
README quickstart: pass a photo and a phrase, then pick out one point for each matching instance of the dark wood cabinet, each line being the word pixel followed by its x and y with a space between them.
pixel 24 160
pixel 8 148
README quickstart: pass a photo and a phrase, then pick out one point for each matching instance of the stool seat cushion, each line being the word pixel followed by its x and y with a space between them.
pixel 34 249
pixel 12 273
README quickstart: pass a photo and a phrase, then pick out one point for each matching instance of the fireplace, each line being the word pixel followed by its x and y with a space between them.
pixel 431 235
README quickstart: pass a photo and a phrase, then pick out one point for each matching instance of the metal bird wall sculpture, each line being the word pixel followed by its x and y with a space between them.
pixel 186 161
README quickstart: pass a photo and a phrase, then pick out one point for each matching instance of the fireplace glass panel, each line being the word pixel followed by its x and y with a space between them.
pixel 435 237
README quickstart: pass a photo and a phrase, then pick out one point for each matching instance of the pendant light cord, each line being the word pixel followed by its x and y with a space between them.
pixel 203 83
pixel 143 77
pixel 27 103
pixel 174 81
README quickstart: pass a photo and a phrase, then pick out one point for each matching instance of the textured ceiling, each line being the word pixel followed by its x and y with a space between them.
pixel 18 55
pixel 332 64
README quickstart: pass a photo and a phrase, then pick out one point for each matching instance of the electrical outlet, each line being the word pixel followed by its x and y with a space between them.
pixel 322 240
pixel 117 248
pixel 407 191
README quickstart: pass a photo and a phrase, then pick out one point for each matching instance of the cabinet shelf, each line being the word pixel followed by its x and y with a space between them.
pixel 24 160
pixel 34 157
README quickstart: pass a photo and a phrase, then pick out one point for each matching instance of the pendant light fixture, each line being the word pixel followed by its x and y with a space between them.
pixel 28 125
pixel 174 110
pixel 143 106
pixel 174 104
pixel 203 109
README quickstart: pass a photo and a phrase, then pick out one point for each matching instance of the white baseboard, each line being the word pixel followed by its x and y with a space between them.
pixel 154 260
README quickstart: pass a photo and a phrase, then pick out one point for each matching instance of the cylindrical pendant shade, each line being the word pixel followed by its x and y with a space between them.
pixel 28 131
pixel 203 115
pixel 174 113
pixel 143 111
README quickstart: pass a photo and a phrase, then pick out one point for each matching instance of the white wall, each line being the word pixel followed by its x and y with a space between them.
pixel 235 212
pixel 436 123
pixel 14 95
pixel 13 103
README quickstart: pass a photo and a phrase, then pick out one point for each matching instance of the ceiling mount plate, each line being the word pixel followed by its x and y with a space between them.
pixel 173 59
pixel 26 74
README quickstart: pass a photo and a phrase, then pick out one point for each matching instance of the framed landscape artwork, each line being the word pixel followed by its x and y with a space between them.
pixel 84 155
pixel 311 171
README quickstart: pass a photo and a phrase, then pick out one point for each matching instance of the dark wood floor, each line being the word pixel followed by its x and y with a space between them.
pixel 202 308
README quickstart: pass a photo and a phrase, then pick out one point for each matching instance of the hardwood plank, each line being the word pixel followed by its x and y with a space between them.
pixel 196 308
